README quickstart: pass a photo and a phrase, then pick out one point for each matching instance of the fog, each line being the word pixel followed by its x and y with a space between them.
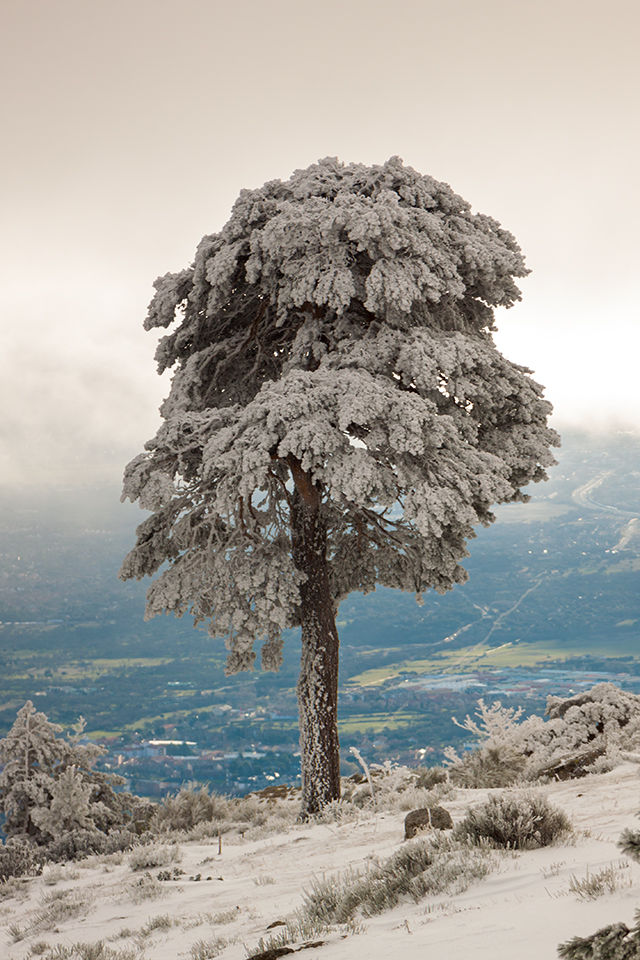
pixel 130 129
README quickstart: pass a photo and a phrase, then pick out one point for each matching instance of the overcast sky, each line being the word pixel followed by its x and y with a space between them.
pixel 129 127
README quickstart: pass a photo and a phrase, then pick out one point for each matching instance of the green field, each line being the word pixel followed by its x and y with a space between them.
pixel 480 655
pixel 375 722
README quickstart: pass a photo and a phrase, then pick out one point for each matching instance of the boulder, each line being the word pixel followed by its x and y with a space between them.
pixel 426 818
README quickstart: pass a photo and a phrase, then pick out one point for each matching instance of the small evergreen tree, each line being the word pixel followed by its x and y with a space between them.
pixel 69 806
pixel 48 783
pixel 31 753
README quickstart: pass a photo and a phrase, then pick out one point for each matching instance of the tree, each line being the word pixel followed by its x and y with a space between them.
pixel 48 783
pixel 69 807
pixel 339 417
pixel 30 753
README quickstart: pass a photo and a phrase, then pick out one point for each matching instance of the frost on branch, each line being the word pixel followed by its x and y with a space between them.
pixel 339 323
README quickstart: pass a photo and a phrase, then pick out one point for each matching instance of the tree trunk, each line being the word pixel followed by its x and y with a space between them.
pixel 318 682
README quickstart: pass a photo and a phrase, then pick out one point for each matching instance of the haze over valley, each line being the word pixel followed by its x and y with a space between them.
pixel 551 605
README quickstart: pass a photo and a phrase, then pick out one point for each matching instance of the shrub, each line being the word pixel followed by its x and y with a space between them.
pixel 90 951
pixel 38 948
pixel 586 733
pixel 607 880
pixel 54 908
pixel 144 857
pixel 13 888
pixel 617 941
pixel 339 811
pixel 48 784
pixel 420 868
pixel 396 788
pixel 207 949
pixel 144 888
pixel 515 820
pixel 189 807
pixel 19 858
pixel 74 845
pixel 500 758
pixel 629 843
pixel 299 928
pixel 489 766
pixel 77 844
pixel 160 922
pixel 53 873
pixel 428 777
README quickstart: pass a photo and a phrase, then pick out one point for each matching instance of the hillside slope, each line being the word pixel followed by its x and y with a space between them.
pixel 522 909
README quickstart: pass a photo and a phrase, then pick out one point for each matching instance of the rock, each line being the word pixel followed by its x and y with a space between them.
pixel 272 954
pixel 434 818
pixel 570 766
pixel 276 952
pixel 276 791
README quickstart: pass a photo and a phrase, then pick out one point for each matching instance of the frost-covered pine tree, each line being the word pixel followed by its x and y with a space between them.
pixel 339 417
pixel 48 781
pixel 69 806
pixel 30 753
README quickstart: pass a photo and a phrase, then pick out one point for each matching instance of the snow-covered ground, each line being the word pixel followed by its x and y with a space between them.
pixel 521 910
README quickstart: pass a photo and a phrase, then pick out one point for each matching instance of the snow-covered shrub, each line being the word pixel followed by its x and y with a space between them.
pixel 489 766
pixel 147 856
pixel 515 820
pixel 629 843
pixel 500 758
pixel 428 777
pixel 596 884
pixel 395 788
pixel 69 805
pixel 207 949
pixel 299 928
pixel 585 733
pixel 339 811
pixel 196 814
pixel 90 951
pixel 122 839
pixel 19 858
pixel 52 874
pixel 189 807
pixel 55 907
pixel 422 867
pixel 145 887
pixel 77 844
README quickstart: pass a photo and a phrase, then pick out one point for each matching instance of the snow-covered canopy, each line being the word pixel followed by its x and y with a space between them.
pixel 340 321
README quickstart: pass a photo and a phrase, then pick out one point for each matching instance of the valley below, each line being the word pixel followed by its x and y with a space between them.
pixel 551 606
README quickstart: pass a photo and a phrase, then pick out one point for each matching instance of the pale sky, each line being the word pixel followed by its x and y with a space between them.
pixel 129 127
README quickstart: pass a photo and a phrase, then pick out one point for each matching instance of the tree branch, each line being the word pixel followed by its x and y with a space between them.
pixel 304 484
